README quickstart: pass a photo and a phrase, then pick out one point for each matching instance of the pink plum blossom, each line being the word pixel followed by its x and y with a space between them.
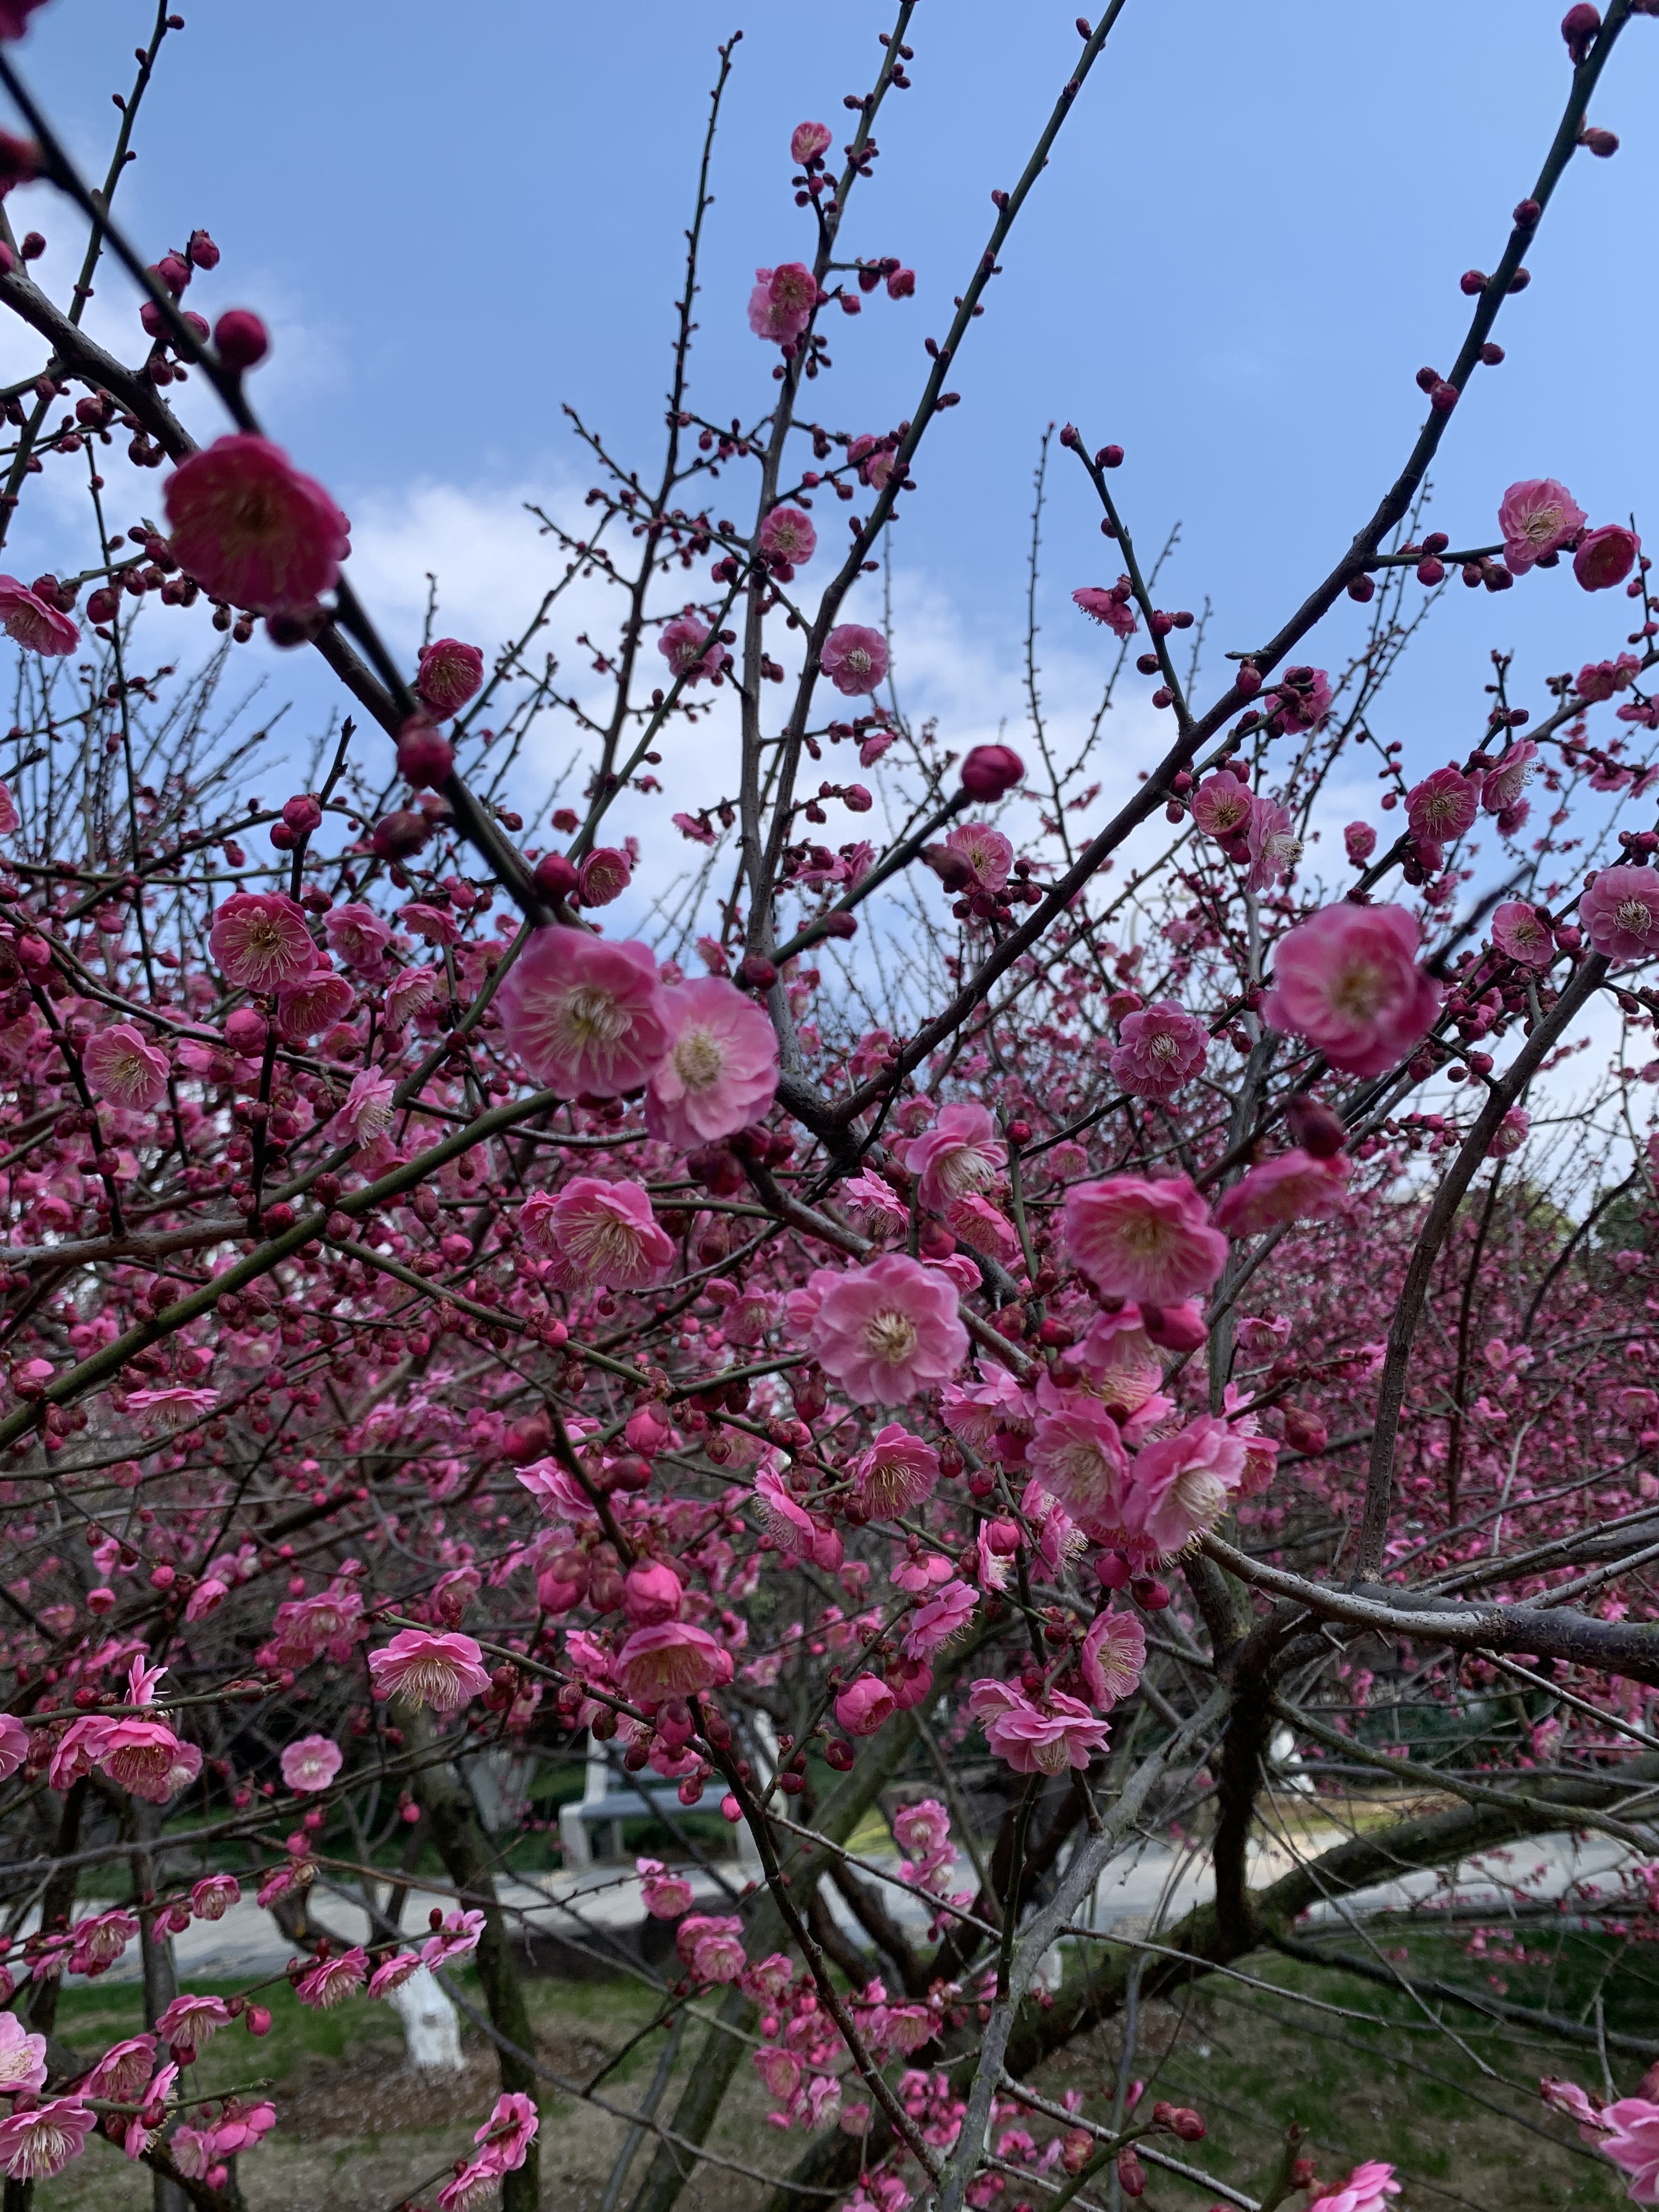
pixel 1078 1454
pixel 511 2129
pixel 260 940
pixel 359 936
pixel 987 851
pixel 1501 786
pixel 1273 846
pixel 781 306
pixel 331 1980
pixel 36 2144
pixel 1367 2189
pixel 1442 808
pixel 121 2074
pixel 1305 705
pixel 1223 805
pixel 896 1473
pixel 854 659
pixel 213 1896
pixel 864 1705
pixel 1045 1738
pixel 1606 556
pixel 1114 1653
pixel 1180 1484
pixel 692 651
pixel 671 1660
pixel 787 535
pixel 1517 932
pixel 721 1069
pixel 1163 1047
pixel 806 142
pixel 191 2021
pixel 1347 981
pixel 960 1155
pixel 888 1330
pixel 666 1895
pixel 370 1104
pixel 937 1619
pixel 1293 1186
pixel 457 1936
pixel 584 1016
pixel 423 1668
pixel 252 529
pixel 1114 608
pixel 29 622
pixel 392 1974
pixel 22 2057
pixel 122 1065
pixel 450 674
pixel 710 1946
pixel 1535 517
pixel 312 1762
pixel 605 1233
pixel 1619 913
pixel 313 1003
pixel 1150 1242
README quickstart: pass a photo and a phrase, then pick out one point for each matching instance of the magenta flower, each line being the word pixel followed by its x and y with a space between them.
pixel 1606 556
pixel 652 1593
pixel 119 2074
pixel 331 1981
pixel 790 1529
pixel 510 2130
pixel 1114 1653
pixel 27 619
pixel 23 2056
pixel 605 1233
pixel 961 1155
pixel 450 674
pixel 1442 808
pixel 259 940
pixel 14 22
pixel 315 1003
pixel 690 649
pixel 121 1065
pixel 937 1619
pixel 806 141
pixel 787 535
pixel 444 1672
pixel 1044 1739
pixel 1273 846
pixel 672 1660
pixel 214 1895
pixel 603 876
pixel 874 1208
pixel 666 1895
pixel 1163 1047
pixel 190 2021
pixel 1115 608
pixel 392 1974
pixel 985 850
pixel 368 1109
pixel 35 2145
pixel 886 1331
pixel 898 1473
pixel 1535 517
pixel 145 1757
pixel 781 306
pixel 1077 1454
pixel 1501 786
pixel 854 659
pixel 1631 2141
pixel 457 1936
pixel 251 530
pixel 359 936
pixel 583 1016
pixel 1294 1187
pixel 1367 2189
pixel 1347 981
pixel 864 1705
pixel 473 2188
pixel 710 1946
pixel 720 1070
pixel 1150 1242
pixel 1619 913
pixel 1179 1485
pixel 312 1762
pixel 1360 840
pixel 1223 805
pixel 1516 930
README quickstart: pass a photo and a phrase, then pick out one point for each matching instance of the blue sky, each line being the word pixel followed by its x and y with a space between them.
pixel 1248 242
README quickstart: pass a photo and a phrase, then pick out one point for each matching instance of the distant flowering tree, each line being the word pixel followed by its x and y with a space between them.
pixel 1133 1338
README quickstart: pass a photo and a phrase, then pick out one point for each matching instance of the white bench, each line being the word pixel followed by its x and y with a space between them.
pixel 611 1794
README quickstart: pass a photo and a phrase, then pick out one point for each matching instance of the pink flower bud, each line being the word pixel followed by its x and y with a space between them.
pixel 398 837
pixel 302 814
pixel 1606 556
pixel 807 140
pixel 426 759
pixel 241 338
pixel 204 253
pixel 991 770
pixel 554 877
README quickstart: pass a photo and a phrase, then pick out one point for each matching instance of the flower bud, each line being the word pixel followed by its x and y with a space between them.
pixel 991 770
pixel 758 972
pixel 398 837
pixel 302 814
pixel 204 253
pixel 1315 1126
pixel 1578 28
pixel 240 339
pixel 426 760
pixel 554 877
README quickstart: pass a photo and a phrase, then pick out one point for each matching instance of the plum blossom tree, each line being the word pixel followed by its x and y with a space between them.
pixel 436 1326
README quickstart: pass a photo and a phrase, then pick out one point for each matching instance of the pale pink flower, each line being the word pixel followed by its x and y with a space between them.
pixel 1114 1654
pixel 35 2145
pixel 1118 1357
pixel 98 1943
pixel 790 1529
pixel 1442 808
pixel 1347 981
pixel 605 1233
pixel 584 1016
pixel 690 649
pixel 1079 1456
pixel 214 1895
pixel 806 142
pixel 457 1937
pixel 960 1155
pixel 1631 2141
pixel 331 1981
pixel 1150 1242
pixel 1516 930
pixel 1223 805
pixel 315 1003
pixel 27 619
pixel 1303 709
pixel 1619 913
pixel 787 535
pixel 1034 1739
pixel 1273 846
pixel 22 2057
pixel 259 940
pixel 1511 1134
pixel 1501 786
pixel 1606 556
pixel 358 936
pixel 888 1330
pixel 1367 2189
pixel 781 306
pixel 252 529
pixel 672 1660
pixel 873 1206
pixel 985 850
pixel 450 674
pixel 369 1109
pixel 720 1071
pixel 1293 1186
pixel 1163 1046
pixel 424 1668
pixel 121 1065
pixel 864 1705
pixel 312 1762
pixel 120 2074
pixel 937 1619
pixel 710 1946
pixel 898 1473
pixel 666 1895
pixel 510 2130
pixel 854 659
pixel 392 1974
pixel 1179 1485
pixel 144 1757
pixel 1535 517
pixel 1114 608
pixel 190 2021
pixel 779 2070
